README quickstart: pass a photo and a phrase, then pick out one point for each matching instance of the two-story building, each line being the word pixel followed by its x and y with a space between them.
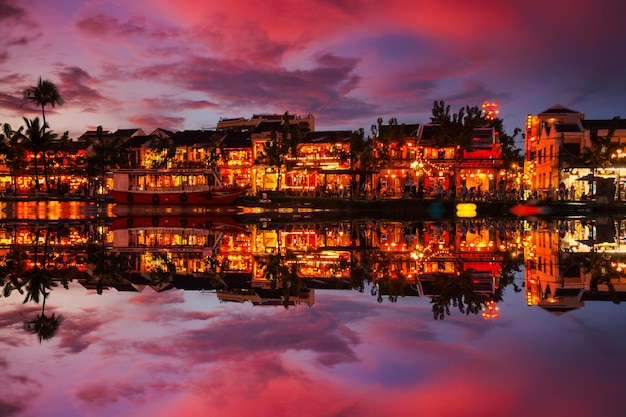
pixel 556 140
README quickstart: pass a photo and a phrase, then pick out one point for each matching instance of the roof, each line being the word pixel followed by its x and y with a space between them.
pixel 137 141
pixel 408 129
pixel 93 134
pixel 194 137
pixel 265 126
pixel 604 123
pixel 558 109
pixel 162 132
pixel 430 131
pixel 484 133
pixel 126 133
pixel 69 146
pixel 236 140
pixel 330 136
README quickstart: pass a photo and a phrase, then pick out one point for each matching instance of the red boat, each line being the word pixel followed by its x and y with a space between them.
pixel 172 187
pixel 216 223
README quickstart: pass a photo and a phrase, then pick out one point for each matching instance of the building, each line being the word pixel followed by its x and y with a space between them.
pixel 561 154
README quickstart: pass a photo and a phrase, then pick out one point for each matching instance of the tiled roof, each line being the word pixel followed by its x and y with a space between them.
pixel 558 109
pixel 194 137
pixel 137 141
pixel 236 140
pixel 276 126
pixel 429 132
pixel 126 133
pixel 408 129
pixel 331 136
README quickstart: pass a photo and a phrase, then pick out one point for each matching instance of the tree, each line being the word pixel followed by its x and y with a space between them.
pixel 108 267
pixel 385 136
pixel 456 129
pixel 598 154
pixel 38 283
pixel 278 148
pixel 163 150
pixel 107 153
pixel 45 327
pixel 511 155
pixel 457 291
pixel 38 141
pixel 42 94
pixel 13 151
pixel 162 270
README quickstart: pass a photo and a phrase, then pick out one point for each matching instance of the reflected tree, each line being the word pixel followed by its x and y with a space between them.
pixel 456 291
pixel 162 270
pixel 603 269
pixel 38 283
pixel 511 266
pixel 107 266
pixel 281 269
pixel 44 326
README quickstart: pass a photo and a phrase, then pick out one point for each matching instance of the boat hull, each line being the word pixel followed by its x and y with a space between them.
pixel 220 197
pixel 215 223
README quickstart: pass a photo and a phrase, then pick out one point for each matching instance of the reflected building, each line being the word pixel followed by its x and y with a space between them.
pixel 570 261
pixel 566 262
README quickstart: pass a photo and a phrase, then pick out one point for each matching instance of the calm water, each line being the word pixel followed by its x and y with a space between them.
pixel 193 319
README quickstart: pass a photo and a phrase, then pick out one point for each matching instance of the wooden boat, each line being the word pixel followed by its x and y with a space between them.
pixel 217 223
pixel 172 187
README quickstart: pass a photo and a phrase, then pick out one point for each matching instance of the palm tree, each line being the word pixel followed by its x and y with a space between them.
pixel 38 283
pixel 42 94
pixel 45 327
pixel 38 141
pixel 13 151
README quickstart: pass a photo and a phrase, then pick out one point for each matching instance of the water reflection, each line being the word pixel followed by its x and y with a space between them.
pixel 465 266
pixel 161 314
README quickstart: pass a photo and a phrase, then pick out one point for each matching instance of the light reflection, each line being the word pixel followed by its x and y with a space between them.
pixel 561 259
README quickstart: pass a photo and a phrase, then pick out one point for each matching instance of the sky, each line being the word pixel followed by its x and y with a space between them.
pixel 184 64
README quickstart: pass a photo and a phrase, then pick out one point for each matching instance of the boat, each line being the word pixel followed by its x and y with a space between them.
pixel 172 187
pixel 144 222
pixel 171 233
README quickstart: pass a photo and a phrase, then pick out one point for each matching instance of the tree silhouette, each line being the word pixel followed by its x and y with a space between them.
pixel 458 128
pixel 163 150
pixel 456 291
pixel 42 94
pixel 37 140
pixel 162 270
pixel 107 153
pixel 37 283
pixel 279 147
pixel 107 266
pixel 12 148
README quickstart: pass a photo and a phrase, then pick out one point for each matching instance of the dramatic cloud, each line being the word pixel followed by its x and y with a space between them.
pixel 183 66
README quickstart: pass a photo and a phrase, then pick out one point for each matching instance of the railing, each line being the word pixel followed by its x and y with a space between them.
pixel 174 188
